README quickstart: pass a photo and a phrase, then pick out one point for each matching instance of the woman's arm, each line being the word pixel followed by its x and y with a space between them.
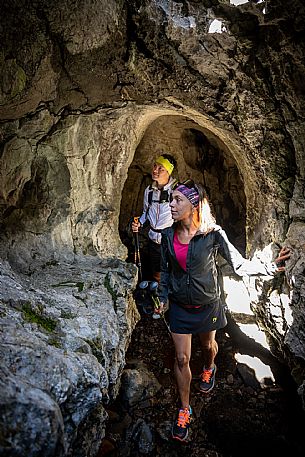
pixel 284 254
pixel 246 267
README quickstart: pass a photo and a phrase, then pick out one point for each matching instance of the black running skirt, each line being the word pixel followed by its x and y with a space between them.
pixel 208 318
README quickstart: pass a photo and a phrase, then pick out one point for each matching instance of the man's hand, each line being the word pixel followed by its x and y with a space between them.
pixel 284 254
pixel 135 225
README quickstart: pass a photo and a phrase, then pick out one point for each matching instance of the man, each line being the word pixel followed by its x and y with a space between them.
pixel 156 209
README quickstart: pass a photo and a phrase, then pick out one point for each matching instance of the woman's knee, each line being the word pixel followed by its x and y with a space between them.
pixel 208 340
pixel 209 345
pixel 182 359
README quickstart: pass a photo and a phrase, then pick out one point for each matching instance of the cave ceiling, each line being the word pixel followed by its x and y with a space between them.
pixel 91 90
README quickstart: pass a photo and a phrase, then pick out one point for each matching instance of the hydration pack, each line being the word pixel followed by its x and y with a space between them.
pixel 164 197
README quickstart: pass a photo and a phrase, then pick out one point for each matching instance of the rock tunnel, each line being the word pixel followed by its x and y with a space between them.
pixel 200 154
pixel 90 92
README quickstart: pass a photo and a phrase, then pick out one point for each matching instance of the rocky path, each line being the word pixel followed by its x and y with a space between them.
pixel 239 418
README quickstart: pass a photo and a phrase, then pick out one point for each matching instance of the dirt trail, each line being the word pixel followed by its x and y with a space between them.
pixel 239 418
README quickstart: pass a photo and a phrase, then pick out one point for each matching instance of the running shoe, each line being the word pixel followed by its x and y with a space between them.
pixel 181 426
pixel 207 380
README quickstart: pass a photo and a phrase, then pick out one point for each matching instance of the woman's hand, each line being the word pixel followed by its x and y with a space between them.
pixel 160 309
pixel 284 254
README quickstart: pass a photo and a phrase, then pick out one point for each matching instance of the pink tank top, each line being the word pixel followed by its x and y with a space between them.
pixel 180 251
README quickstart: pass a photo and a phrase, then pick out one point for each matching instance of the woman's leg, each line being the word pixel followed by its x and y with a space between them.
pixel 183 347
pixel 209 347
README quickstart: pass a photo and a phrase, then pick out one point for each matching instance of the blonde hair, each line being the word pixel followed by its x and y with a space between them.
pixel 205 219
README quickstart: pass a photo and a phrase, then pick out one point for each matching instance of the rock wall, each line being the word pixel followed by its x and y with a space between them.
pixel 90 91
pixel 65 329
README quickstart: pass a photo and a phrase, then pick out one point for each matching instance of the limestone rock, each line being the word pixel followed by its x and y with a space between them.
pixel 64 334
pixel 90 93
pixel 138 385
pixel 36 422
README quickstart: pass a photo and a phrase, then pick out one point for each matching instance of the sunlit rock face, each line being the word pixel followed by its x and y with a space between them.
pixel 90 92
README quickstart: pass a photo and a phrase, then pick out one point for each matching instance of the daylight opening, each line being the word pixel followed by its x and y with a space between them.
pixel 216 26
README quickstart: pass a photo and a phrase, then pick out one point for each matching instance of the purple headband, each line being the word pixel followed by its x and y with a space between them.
pixel 190 193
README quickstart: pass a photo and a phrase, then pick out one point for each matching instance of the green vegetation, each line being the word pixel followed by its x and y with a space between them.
pixel 97 349
pixel 19 81
pixel 67 315
pixel 112 292
pixel 55 342
pixel 79 285
pixel 34 316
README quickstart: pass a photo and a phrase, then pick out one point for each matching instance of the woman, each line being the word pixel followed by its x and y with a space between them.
pixel 189 281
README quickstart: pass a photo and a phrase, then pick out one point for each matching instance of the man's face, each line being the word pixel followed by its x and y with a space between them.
pixel 159 174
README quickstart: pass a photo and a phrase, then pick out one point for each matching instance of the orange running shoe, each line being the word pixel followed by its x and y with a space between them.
pixel 207 380
pixel 182 424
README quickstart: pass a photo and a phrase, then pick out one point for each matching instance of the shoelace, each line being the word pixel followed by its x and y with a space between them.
pixel 183 417
pixel 206 375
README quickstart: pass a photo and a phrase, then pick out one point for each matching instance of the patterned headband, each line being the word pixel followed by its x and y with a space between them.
pixel 190 193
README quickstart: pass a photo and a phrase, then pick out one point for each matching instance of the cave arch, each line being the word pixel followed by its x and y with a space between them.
pixel 127 143
pixel 200 154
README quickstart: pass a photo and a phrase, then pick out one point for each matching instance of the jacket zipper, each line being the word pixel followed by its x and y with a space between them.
pixel 188 279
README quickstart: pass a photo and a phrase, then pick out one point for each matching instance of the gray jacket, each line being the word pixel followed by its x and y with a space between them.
pixel 198 285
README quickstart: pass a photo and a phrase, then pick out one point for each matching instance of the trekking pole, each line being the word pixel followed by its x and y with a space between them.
pixel 137 250
pixel 156 300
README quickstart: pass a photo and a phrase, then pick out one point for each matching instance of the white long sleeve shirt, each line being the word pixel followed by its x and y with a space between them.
pixel 158 214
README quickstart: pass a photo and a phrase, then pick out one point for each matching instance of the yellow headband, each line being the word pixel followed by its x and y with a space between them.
pixel 166 164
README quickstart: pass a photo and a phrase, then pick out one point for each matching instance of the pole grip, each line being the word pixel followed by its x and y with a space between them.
pixel 156 301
